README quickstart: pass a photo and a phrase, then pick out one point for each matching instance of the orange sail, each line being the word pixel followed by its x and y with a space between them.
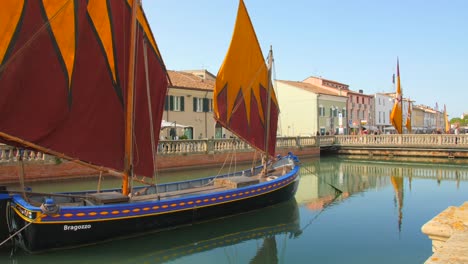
pixel 64 75
pixel 408 117
pixel 447 123
pixel 242 89
pixel 396 115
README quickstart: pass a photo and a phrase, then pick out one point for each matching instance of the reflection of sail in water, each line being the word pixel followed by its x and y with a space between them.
pixel 397 183
pixel 267 253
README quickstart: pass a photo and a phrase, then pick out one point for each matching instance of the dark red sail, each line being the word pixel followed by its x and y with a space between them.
pixel 63 79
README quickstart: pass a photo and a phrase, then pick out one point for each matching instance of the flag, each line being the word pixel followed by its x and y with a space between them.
pixel 396 115
pixel 408 117
pixel 447 123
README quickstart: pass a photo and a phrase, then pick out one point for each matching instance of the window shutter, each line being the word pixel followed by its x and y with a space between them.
pixel 166 103
pixel 194 104
pixel 171 103
pixel 205 104
pixel 182 104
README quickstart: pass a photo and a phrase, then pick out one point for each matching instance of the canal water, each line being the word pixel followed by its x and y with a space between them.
pixel 346 211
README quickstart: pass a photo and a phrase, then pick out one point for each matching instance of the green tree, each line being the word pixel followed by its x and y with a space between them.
pixel 462 122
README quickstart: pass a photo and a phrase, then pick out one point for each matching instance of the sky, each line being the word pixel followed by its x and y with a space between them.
pixel 353 42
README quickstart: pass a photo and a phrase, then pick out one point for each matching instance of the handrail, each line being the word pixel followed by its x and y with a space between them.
pixel 211 146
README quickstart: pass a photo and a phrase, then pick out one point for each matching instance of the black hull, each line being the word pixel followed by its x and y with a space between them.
pixel 4 231
pixel 40 236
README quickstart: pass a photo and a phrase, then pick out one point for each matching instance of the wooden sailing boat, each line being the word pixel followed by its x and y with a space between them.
pixel 75 86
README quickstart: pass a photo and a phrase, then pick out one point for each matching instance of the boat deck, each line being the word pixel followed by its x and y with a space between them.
pixel 150 193
pixel 219 184
pixel 177 194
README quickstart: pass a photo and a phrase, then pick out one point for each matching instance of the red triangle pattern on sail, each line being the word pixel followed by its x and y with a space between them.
pixel 241 92
pixel 72 100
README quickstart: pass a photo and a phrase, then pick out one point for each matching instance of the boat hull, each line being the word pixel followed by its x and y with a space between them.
pixel 77 226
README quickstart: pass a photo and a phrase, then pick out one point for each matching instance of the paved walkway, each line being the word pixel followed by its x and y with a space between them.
pixel 449 233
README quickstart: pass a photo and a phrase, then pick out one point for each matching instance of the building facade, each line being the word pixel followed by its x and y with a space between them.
pixel 361 112
pixel 383 104
pixel 189 106
pixel 308 110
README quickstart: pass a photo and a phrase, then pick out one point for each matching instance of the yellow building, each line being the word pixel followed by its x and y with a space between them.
pixel 308 109
pixel 188 108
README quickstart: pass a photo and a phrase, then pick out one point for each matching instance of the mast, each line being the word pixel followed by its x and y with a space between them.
pixel 128 166
pixel 267 126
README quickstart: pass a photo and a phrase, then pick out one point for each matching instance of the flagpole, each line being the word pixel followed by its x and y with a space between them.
pixel 401 97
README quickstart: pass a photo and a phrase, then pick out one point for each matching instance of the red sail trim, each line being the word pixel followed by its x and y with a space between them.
pixel 91 129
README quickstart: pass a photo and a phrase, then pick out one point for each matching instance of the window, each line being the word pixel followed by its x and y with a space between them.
pixel 178 103
pixel 202 105
pixel 209 103
pixel 321 110
pixel 198 104
pixel 174 103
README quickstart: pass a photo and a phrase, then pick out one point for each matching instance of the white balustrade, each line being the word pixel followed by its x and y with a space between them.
pixel 178 147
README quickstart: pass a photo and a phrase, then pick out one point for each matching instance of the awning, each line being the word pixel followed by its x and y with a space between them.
pixel 373 128
pixel 166 124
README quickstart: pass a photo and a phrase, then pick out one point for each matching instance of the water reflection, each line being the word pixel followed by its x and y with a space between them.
pixel 330 181
pixel 397 183
pixel 375 217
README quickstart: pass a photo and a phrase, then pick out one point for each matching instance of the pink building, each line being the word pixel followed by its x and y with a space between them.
pixel 360 106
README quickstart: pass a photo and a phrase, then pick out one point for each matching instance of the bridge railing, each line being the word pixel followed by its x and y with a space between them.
pixel 433 141
pixel 209 146
pixel 12 154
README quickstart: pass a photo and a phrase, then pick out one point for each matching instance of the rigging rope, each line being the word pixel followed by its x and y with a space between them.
pixel 19 231
pixel 21 173
pixel 99 182
pixel 33 37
